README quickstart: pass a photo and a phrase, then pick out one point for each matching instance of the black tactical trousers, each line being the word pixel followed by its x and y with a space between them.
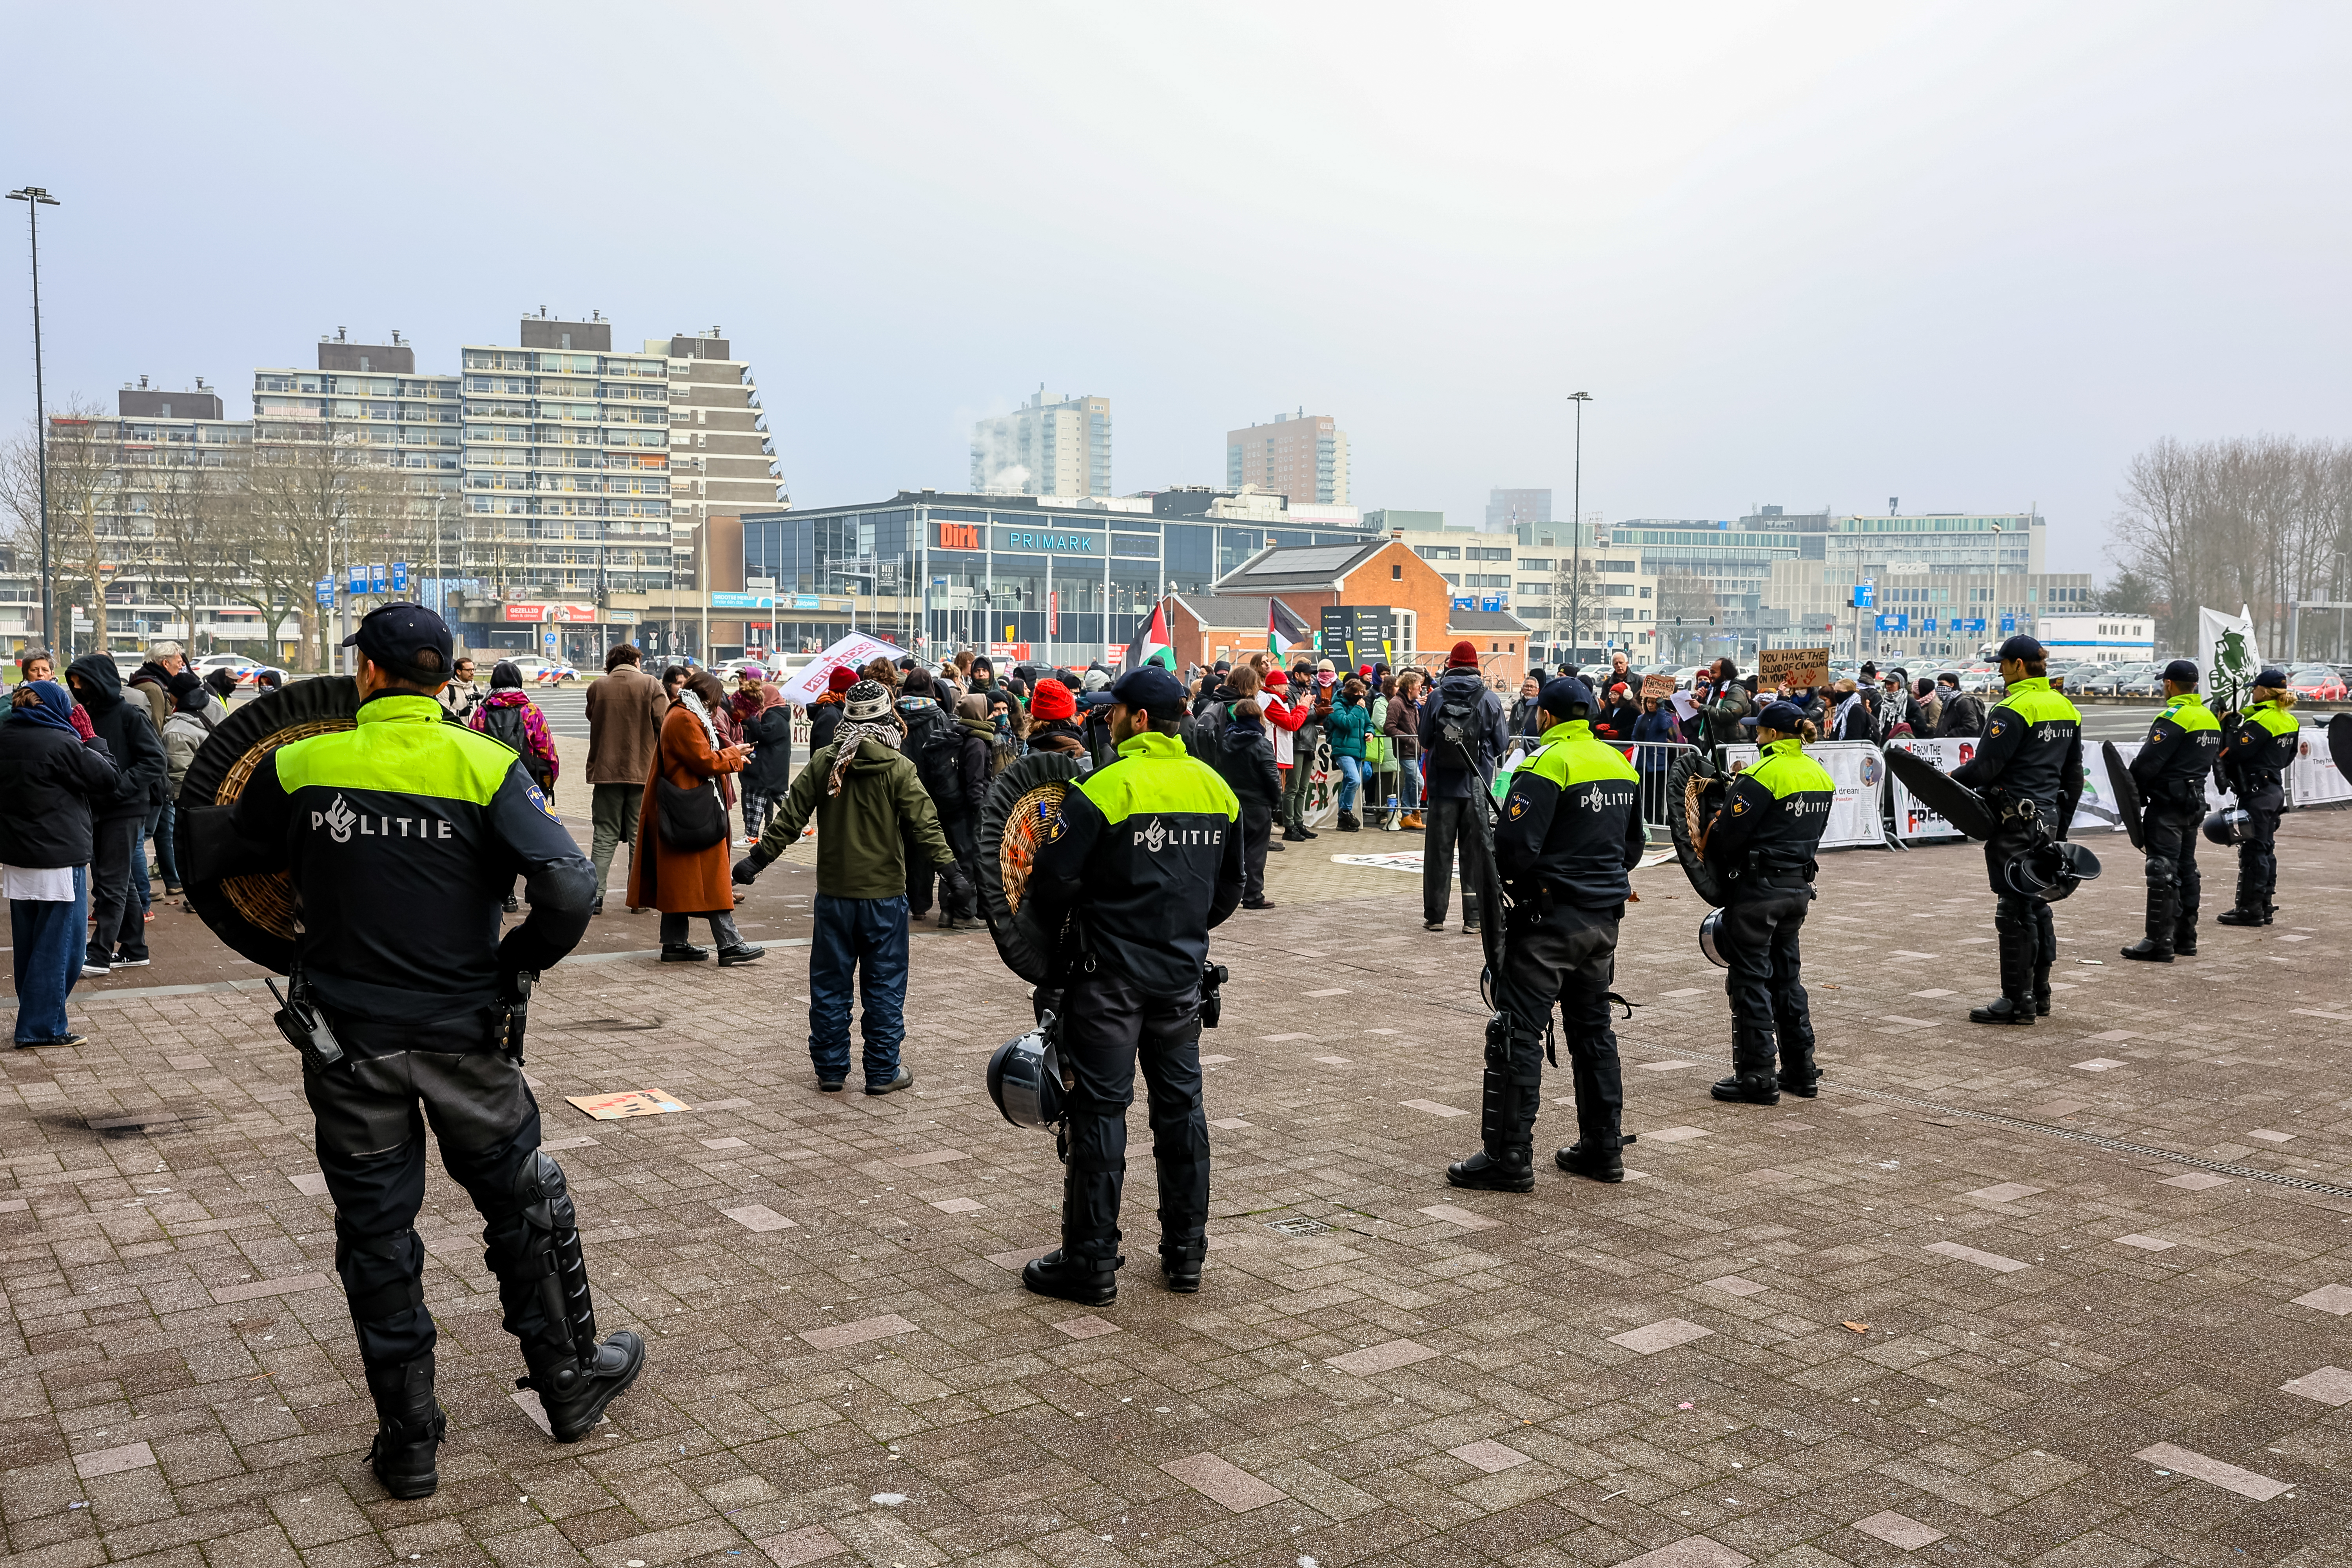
pixel 2258 856
pixel 1764 979
pixel 2027 935
pixel 1567 957
pixel 2171 827
pixel 1446 823
pixel 371 1147
pixel 1110 1028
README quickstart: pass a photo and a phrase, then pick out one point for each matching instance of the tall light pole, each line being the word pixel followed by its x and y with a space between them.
pixel 35 198
pixel 1576 537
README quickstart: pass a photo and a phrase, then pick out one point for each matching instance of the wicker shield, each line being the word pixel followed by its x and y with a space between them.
pixel 1695 793
pixel 1023 814
pixel 241 889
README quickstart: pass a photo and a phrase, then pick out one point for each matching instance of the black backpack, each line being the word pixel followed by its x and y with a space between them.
pixel 1457 745
pixel 505 724
pixel 938 761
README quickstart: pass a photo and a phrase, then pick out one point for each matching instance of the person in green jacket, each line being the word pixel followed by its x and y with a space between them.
pixel 1345 728
pixel 864 793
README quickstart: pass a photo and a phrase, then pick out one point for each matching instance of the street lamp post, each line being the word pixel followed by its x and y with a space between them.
pixel 35 198
pixel 1576 537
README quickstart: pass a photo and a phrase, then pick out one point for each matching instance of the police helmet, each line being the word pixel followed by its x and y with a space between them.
pixel 2228 825
pixel 1709 930
pixel 2051 871
pixel 1025 1079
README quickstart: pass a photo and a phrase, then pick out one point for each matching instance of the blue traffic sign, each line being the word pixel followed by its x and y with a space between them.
pixel 378 579
pixel 1865 594
pixel 326 586
pixel 358 580
pixel 1928 626
pixel 1894 623
pixel 400 577
pixel 2008 624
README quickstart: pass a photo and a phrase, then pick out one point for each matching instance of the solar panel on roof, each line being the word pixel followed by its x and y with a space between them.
pixel 1304 563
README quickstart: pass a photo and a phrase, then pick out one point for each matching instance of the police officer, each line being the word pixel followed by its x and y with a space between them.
pixel 402 836
pixel 2255 754
pixel 1761 849
pixel 2029 768
pixel 1147 857
pixel 1571 829
pixel 2180 750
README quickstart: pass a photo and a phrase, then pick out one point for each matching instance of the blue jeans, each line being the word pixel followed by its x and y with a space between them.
pixel 50 940
pixel 162 828
pixel 868 936
pixel 1352 778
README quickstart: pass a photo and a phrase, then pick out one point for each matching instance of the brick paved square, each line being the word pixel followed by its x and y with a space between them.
pixel 1665 1334
pixel 2198 1182
pixel 1691 1551
pixel 1434 1108
pixel 2099 1063
pixel 1899 1529
pixel 176 1287
pixel 113 1461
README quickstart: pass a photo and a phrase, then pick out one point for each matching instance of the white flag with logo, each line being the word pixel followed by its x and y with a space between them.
pixel 2228 653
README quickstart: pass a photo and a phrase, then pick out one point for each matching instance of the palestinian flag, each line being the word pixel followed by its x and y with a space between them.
pixel 1151 644
pixel 1284 629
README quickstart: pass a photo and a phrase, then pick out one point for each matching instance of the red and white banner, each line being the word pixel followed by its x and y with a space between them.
pixel 570 615
pixel 1018 652
pixel 855 651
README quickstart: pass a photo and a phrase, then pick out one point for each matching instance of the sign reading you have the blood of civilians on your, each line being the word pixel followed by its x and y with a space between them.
pixel 1658 686
pixel 1800 666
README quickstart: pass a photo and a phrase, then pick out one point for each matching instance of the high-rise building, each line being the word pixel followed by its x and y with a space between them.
pixel 1303 455
pixel 1044 448
pixel 1508 510
pixel 722 464
pixel 367 400
pixel 567 464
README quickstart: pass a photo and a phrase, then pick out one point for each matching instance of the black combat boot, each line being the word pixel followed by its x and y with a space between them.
pixel 2156 947
pixel 1180 1265
pixel 2184 938
pixel 409 1426
pixel 1752 1081
pixel 1507 1164
pixel 1089 1281
pixel 573 1391
pixel 1799 1076
pixel 2242 916
pixel 1597 1153
pixel 2018 948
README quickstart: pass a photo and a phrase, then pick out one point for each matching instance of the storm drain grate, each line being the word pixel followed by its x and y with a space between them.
pixel 1299 1226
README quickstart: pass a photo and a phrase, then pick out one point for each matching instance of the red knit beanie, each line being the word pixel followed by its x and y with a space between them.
pixel 1464 654
pixel 1052 701
pixel 842 679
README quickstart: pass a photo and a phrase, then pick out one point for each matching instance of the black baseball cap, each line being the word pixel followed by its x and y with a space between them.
pixel 397 637
pixel 1151 688
pixel 2272 677
pixel 1564 695
pixel 2021 647
pixel 1782 716
pixel 2182 672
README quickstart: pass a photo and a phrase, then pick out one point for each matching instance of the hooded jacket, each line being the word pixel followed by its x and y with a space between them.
pixel 130 736
pixel 49 776
pixel 152 683
pixel 1245 762
pixel 860 850
pixel 1466 688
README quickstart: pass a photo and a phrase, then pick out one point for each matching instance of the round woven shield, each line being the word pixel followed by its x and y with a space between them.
pixel 1023 813
pixel 251 910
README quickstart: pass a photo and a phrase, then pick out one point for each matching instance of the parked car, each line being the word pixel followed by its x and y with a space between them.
pixel 2316 681
pixel 2140 683
pixel 537 671
pixel 1980 678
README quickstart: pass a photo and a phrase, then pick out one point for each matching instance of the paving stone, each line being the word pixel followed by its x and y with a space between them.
pixel 810 1543
pixel 1665 1334
pixel 113 1461
pixel 1434 1108
pixel 2267 1136
pixel 1386 1357
pixel 1229 1122
pixel 1992 1260
pixel 956 1206
pixel 311 1182
pixel 2006 1192
pixel 1673 1134
pixel 723 1144
pixel 1460 1216
pixel 1733 1285
pixel 2197 1182
pixel 2335 1298
pixel 1490 1456
pixel 758 1216
pixel 2215 1472
pixel 254 1291
pixel 1691 1552
pixel 931 1157
pixel 1087 1327
pixel 838 1336
pixel 2145 1243
pixel 2327 1384
pixel 1899 1529
pixel 1223 1481
pixel 2099 1063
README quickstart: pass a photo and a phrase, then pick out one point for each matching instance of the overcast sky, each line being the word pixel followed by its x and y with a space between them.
pixel 1971 256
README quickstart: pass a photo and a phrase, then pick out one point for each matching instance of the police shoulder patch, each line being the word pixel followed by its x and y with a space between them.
pixel 1739 806
pixel 1518 807
pixel 1994 731
pixel 539 799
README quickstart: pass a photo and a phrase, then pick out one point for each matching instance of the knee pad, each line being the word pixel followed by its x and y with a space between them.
pixel 2161 873
pixel 380 1274
pixel 533 1244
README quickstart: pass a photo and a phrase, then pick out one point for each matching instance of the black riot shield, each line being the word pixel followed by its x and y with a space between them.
pixel 1487 884
pixel 1694 791
pixel 2126 789
pixel 1023 814
pixel 2339 740
pixel 239 888
pixel 1955 801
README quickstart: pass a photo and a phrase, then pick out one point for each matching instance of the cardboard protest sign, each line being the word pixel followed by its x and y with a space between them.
pixel 1800 666
pixel 627 1102
pixel 1658 686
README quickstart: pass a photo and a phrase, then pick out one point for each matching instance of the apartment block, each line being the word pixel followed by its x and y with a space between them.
pixel 1509 509
pixel 368 399
pixel 1044 449
pixel 1303 455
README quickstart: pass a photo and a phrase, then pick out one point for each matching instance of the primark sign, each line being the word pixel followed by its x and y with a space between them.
pixel 1023 541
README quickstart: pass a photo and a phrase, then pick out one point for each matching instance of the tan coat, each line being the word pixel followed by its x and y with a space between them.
pixel 679 882
pixel 624 720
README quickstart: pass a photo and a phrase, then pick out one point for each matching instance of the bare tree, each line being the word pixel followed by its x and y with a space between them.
pixel 310 494
pixel 1685 607
pixel 194 498
pixel 86 542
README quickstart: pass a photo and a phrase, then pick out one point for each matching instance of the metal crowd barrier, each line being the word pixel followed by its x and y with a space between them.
pixel 1653 759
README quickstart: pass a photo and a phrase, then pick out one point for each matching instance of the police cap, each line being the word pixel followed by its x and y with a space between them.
pixel 1782 716
pixel 1564 696
pixel 399 637
pixel 2181 672
pixel 2021 647
pixel 1151 688
pixel 2273 676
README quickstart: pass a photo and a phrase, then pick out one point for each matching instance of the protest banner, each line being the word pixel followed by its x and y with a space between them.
pixel 857 651
pixel 1800 666
pixel 2316 777
pixel 1859 772
pixel 1913 819
pixel 1658 686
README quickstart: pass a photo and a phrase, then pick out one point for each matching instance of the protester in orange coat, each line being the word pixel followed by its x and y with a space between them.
pixel 686 882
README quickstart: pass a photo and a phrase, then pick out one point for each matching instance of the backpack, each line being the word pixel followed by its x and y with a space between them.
pixel 1204 735
pixel 1457 744
pixel 505 724
pixel 938 761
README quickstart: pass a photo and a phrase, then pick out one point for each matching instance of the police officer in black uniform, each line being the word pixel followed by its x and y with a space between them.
pixel 2256 751
pixel 402 836
pixel 1146 855
pixel 2029 768
pixel 1571 829
pixel 2181 747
